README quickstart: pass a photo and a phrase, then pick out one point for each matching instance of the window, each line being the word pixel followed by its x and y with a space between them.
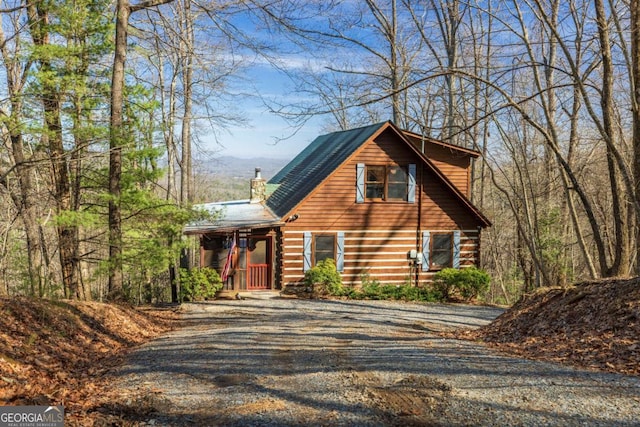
pixel 317 247
pixel 397 183
pixel 324 247
pixel 386 183
pixel 375 182
pixel 441 250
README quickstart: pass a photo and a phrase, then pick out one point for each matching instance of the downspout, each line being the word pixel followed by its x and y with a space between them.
pixel 479 248
pixel 419 228
pixel 420 179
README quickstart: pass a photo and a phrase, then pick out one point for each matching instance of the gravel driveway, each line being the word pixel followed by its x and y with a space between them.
pixel 283 362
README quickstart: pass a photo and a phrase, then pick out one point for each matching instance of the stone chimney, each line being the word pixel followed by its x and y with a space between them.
pixel 258 188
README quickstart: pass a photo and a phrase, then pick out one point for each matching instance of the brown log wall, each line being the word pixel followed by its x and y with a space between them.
pixel 456 165
pixel 377 254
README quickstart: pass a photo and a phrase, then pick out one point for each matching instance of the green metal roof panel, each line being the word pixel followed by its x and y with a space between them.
pixel 313 165
pixel 271 188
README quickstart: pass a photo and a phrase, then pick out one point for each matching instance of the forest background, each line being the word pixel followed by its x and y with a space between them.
pixel 106 105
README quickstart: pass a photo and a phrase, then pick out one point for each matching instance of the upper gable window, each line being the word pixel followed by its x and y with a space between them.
pixel 389 183
pixel 393 183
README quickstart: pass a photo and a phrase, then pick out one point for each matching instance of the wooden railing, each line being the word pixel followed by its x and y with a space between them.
pixel 258 277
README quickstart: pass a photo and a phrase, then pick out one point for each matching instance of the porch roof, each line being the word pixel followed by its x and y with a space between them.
pixel 233 215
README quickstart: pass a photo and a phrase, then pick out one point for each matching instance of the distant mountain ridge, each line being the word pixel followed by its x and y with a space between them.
pixel 234 167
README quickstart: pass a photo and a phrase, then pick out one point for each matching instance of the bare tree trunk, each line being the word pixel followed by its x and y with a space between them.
pixel 571 206
pixel 481 35
pixel 393 59
pixel 26 200
pixel 449 23
pixel 26 203
pixel 76 167
pixel 168 125
pixel 67 234
pixel 396 61
pixel 50 94
pixel 158 56
pixel 551 138
pixel 116 140
pixel 621 258
pixel 186 193
pixel 635 104
pixel 172 156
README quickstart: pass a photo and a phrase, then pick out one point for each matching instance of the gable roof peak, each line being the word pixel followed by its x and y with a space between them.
pixel 327 153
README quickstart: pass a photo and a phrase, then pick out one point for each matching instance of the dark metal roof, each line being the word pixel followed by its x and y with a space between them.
pixel 314 164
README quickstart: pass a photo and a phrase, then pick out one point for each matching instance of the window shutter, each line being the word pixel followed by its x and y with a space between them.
pixel 426 245
pixel 411 190
pixel 340 251
pixel 360 183
pixel 456 249
pixel 307 251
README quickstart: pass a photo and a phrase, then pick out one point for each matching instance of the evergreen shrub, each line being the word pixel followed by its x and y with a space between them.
pixel 466 284
pixel 199 284
pixel 324 278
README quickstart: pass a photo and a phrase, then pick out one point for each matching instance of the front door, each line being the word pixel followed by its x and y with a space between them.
pixel 259 263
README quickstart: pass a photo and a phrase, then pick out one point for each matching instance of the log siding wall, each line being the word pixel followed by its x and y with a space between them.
pixel 456 165
pixel 379 254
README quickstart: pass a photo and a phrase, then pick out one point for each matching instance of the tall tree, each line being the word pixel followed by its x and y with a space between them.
pixel 86 32
pixel 117 140
pixel 39 23
pixel 634 30
pixel 187 52
pixel 25 197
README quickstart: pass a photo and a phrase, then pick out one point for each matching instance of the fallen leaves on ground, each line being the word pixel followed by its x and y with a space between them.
pixel 594 325
pixel 56 352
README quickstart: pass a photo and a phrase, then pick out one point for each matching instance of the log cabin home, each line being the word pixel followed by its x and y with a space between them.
pixel 385 204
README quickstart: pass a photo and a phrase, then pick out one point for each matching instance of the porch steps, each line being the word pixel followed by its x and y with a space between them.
pixel 248 294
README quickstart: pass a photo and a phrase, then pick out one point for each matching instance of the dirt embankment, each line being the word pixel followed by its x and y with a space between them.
pixel 55 352
pixel 593 325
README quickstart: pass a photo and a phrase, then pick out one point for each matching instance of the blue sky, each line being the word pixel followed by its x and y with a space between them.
pixel 263 137
pixel 266 134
